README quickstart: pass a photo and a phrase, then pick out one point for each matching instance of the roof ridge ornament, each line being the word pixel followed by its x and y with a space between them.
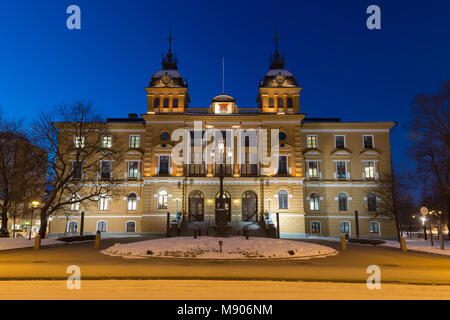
pixel 276 61
pixel 170 60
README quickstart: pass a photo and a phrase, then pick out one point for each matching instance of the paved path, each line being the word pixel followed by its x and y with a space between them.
pixel 214 290
pixel 347 267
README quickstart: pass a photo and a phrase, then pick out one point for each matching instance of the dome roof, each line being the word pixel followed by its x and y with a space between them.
pixel 167 78
pixel 223 98
pixel 279 78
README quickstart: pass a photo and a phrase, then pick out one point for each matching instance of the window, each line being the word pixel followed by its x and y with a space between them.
pixel 72 227
pixel 280 103
pixel 290 103
pixel 368 142
pixel 343 205
pixel 339 142
pixel 156 103
pixel 162 199
pixel 345 227
pixel 166 103
pixel 79 142
pixel 175 103
pixel 135 142
pixel 270 102
pixel 77 170
pixel 282 136
pixel 133 169
pixel 282 165
pixel 282 199
pixel 311 142
pixel 371 202
pixel 103 203
pixel 374 227
pixel 313 169
pixel 132 202
pixel 315 227
pixel 164 136
pixel 369 169
pixel 74 206
pixel 107 142
pixel 105 170
pixel 130 226
pixel 164 165
pixel 314 202
pixel 341 170
pixel 101 226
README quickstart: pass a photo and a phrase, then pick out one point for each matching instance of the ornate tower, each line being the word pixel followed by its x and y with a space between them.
pixel 167 91
pixel 278 91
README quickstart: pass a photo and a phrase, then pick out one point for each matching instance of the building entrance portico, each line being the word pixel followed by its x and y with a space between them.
pixel 227 202
pixel 249 206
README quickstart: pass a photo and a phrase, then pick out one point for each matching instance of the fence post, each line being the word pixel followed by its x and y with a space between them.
pixel 343 243
pixel 278 225
pixel 97 240
pixel 403 245
pixel 168 225
pixel 37 242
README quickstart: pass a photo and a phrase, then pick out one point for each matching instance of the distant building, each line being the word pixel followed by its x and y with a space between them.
pixel 326 169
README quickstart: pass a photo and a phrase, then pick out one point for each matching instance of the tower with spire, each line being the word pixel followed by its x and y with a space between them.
pixel 167 91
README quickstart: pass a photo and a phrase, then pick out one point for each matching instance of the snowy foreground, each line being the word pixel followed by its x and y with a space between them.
pixel 422 245
pixel 232 248
pixel 17 243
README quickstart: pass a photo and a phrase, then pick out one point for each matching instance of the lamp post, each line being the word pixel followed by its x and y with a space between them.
pixel 34 204
pixel 176 204
pixel 424 228
pixel 269 200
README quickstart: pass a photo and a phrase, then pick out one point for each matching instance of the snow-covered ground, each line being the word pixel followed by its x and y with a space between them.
pixel 232 248
pixel 422 245
pixel 17 243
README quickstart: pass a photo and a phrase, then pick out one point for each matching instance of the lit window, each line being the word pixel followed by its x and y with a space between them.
pixel 371 202
pixel 79 142
pixel 341 170
pixel 345 227
pixel 368 142
pixel 107 142
pixel 374 227
pixel 315 227
pixel 72 227
pixel 162 199
pixel 369 169
pixel 282 199
pixel 74 206
pixel 343 205
pixel 135 142
pixel 103 203
pixel 101 226
pixel 314 201
pixel 311 142
pixel 313 169
pixel 339 142
pixel 133 169
pixel 132 202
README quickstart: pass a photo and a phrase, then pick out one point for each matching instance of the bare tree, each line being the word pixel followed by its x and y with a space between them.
pixel 429 128
pixel 72 136
pixel 22 176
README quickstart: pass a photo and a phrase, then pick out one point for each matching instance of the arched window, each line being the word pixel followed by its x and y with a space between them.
pixel 314 201
pixel 270 102
pixel 280 103
pixel 166 103
pixel 156 103
pixel 371 202
pixel 282 199
pixel 343 205
pixel 290 103
pixel 102 226
pixel 344 227
pixel 175 103
pixel 374 227
pixel 162 199
pixel 130 226
pixel 315 227
pixel 132 202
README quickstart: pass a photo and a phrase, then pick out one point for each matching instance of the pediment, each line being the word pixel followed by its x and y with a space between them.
pixel 163 147
pixel 341 152
pixel 370 152
pixel 312 152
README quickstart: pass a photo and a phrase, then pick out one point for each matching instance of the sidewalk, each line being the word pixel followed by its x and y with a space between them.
pixel 18 243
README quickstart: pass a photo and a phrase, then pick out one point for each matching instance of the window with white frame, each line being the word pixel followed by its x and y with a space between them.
pixel 343 202
pixel 369 169
pixel 102 226
pixel 313 169
pixel 374 227
pixel 72 227
pixel 282 165
pixel 105 169
pixel 163 199
pixel 132 202
pixel 135 142
pixel 74 206
pixel 315 227
pixel 368 142
pixel 341 169
pixel 107 142
pixel 344 227
pixel 314 202
pixel 79 142
pixel 282 199
pixel 312 142
pixel 339 141
pixel 133 169
pixel 371 202
pixel 103 203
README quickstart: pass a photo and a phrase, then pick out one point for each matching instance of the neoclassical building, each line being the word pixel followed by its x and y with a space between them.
pixel 324 171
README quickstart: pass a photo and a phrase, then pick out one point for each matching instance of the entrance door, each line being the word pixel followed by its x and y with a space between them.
pixel 196 206
pixel 249 206
pixel 227 201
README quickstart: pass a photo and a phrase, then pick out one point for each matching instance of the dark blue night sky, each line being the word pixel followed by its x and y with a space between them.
pixel 345 70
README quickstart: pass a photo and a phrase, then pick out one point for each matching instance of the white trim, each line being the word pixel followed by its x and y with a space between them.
pixel 135 225
pixel 126 130
pixel 379 227
pixel 96 229
pixel 320 226
pixel 95 217
pixel 340 135
pixel 344 130
pixel 341 185
pixel 373 140
pixel 68 223
pixel 343 217
pixel 349 228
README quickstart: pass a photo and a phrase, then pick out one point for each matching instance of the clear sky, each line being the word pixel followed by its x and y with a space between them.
pixel 345 70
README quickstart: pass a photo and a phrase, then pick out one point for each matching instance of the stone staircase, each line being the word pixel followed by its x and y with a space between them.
pixel 236 228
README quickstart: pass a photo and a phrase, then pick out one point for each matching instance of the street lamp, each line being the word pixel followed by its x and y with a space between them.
pixel 177 200
pixel 269 200
pixel 34 204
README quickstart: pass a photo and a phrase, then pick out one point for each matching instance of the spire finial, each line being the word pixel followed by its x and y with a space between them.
pixel 170 38
pixel 276 39
pixel 169 61
pixel 276 61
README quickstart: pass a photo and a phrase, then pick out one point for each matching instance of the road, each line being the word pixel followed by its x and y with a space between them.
pixel 50 263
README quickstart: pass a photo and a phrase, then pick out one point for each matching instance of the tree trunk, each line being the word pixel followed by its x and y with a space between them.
pixel 4 233
pixel 14 227
pixel 43 228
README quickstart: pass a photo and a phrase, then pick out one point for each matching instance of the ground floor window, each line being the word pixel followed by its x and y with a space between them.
pixel 101 226
pixel 374 227
pixel 315 227
pixel 72 227
pixel 345 227
pixel 131 226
